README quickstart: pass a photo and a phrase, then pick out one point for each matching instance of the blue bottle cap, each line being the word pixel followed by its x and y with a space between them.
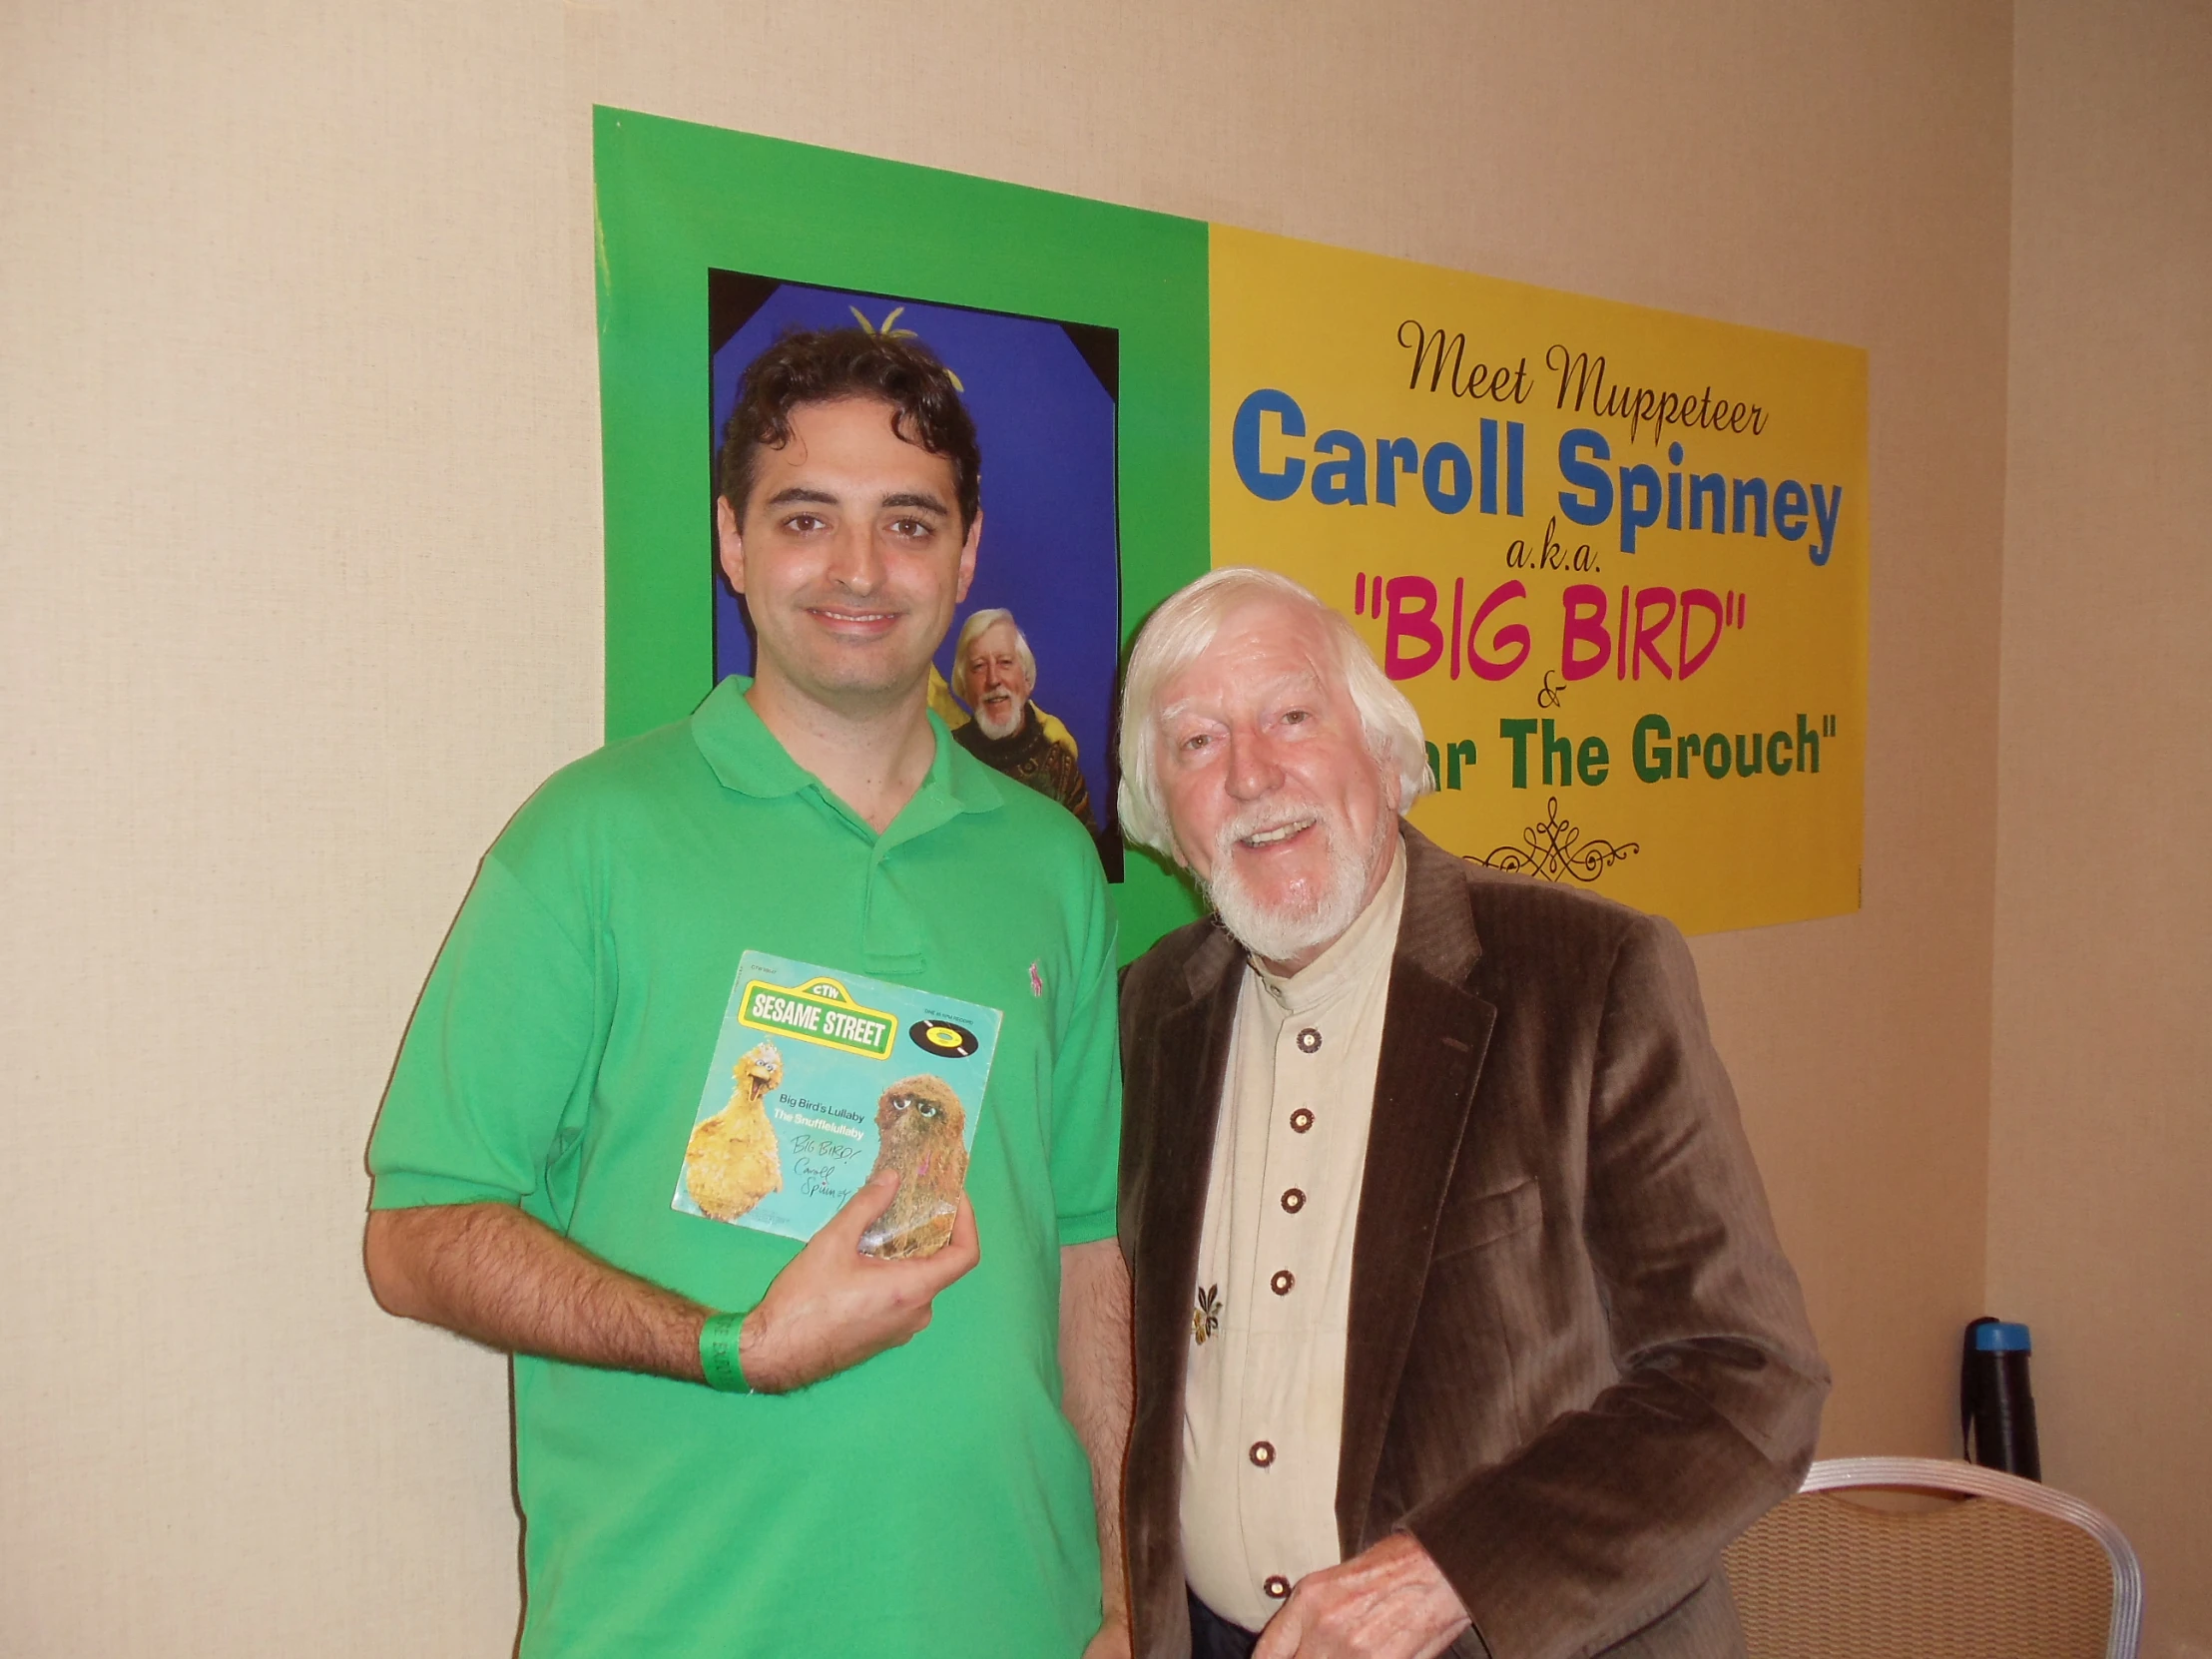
pixel 1997 1338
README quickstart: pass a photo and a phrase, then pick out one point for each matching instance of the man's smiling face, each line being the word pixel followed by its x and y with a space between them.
pixel 851 556
pixel 997 689
pixel 1276 800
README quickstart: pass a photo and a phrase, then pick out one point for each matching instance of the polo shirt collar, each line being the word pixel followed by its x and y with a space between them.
pixel 739 748
pixel 748 758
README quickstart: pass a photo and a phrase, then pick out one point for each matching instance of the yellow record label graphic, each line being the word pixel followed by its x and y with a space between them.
pixel 941 1037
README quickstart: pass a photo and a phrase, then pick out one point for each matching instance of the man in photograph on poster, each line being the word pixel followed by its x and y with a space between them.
pixel 1008 733
pixel 727 1444
pixel 1460 1323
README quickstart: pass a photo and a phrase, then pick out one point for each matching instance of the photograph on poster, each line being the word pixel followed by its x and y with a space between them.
pixel 1034 697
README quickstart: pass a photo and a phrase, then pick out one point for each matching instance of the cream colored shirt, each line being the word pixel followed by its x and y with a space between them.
pixel 1263 1403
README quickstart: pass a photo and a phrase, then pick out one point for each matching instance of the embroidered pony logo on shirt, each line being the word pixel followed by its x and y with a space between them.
pixel 1036 979
pixel 1206 1314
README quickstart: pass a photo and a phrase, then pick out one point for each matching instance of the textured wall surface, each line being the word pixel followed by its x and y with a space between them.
pixel 2102 1116
pixel 298 501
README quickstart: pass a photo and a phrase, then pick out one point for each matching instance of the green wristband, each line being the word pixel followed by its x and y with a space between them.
pixel 719 1356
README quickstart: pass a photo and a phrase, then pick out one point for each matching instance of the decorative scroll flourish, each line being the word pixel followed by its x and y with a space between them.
pixel 1554 850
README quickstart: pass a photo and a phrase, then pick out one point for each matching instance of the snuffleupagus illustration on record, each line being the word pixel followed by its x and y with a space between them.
pixel 919 1122
pixel 732 1162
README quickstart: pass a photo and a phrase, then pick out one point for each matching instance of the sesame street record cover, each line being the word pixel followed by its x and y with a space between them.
pixel 822 1078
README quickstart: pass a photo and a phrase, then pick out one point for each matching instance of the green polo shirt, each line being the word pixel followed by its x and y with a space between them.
pixel 932 1499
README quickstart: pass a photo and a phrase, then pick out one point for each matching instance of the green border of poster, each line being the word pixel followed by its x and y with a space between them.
pixel 675 199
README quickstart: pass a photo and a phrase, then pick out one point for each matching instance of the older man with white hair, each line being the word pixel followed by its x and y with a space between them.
pixel 1461 1322
pixel 996 671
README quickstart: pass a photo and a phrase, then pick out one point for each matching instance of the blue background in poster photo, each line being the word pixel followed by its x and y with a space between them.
pixel 1049 554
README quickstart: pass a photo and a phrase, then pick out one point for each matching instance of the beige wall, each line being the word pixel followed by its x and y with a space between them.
pixel 2100 1233
pixel 298 498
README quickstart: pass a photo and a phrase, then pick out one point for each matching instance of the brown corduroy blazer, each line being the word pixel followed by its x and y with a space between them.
pixel 1579 1364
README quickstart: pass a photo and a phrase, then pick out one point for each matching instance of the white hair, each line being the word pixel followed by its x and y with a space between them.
pixel 973 627
pixel 1178 633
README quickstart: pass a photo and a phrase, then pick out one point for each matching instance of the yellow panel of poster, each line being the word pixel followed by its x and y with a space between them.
pixel 1616 557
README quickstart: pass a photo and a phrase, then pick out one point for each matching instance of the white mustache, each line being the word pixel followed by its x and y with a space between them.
pixel 1279 813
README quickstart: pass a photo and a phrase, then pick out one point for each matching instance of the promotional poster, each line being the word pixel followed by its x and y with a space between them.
pixel 1616 557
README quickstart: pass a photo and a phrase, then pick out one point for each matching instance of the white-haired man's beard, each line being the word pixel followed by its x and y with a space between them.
pixel 999 712
pixel 1311 916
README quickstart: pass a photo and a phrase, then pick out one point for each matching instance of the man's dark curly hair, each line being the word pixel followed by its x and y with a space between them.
pixel 823 365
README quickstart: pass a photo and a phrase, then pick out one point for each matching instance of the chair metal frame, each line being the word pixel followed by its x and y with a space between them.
pixel 1936 1474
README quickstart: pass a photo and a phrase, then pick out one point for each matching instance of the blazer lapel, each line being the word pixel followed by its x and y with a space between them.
pixel 1189 1057
pixel 1434 1033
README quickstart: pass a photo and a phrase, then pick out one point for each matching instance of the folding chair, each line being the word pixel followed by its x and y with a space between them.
pixel 2007 1569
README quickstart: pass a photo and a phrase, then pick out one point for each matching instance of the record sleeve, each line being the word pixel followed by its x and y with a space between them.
pixel 821 1079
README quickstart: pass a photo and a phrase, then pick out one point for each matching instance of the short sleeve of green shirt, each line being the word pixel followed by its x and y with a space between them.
pixel 1086 1089
pixel 496 1059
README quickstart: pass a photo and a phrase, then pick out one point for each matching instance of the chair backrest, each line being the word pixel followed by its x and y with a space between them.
pixel 2010 1568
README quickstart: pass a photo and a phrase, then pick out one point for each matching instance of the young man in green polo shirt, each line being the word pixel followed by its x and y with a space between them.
pixel 727 1444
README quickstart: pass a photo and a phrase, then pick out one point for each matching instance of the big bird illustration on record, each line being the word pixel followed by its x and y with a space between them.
pixel 732 1161
pixel 917 1123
